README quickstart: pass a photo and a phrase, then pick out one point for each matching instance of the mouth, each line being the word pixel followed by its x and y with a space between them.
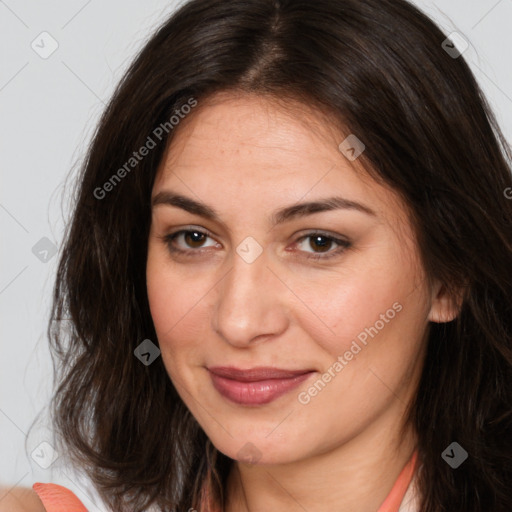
pixel 255 386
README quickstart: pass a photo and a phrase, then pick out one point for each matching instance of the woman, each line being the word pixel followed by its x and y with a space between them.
pixel 288 271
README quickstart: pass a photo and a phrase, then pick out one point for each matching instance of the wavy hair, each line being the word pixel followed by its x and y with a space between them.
pixel 379 68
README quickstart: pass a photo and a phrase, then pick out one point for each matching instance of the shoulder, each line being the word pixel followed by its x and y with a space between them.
pixel 20 499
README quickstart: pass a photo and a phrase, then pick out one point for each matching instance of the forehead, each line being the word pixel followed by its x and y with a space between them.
pixel 249 145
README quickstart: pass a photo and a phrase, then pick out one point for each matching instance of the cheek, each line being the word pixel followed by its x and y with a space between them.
pixel 371 313
pixel 339 306
pixel 167 295
pixel 369 361
pixel 176 301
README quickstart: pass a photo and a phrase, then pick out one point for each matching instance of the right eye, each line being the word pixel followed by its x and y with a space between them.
pixel 192 238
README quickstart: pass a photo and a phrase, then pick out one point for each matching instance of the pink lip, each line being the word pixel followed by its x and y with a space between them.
pixel 255 386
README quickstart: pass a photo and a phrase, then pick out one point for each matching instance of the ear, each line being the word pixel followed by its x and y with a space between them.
pixel 445 307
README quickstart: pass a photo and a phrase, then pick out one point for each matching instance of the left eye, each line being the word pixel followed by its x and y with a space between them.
pixel 323 242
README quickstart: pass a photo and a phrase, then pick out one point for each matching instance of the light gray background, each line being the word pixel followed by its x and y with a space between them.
pixel 49 108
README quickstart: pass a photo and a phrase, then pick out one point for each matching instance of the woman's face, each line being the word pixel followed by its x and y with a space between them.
pixel 248 286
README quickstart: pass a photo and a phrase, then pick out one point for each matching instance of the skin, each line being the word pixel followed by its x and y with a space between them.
pixel 19 499
pixel 246 156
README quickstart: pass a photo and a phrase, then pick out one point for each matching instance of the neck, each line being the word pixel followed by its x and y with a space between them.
pixel 354 477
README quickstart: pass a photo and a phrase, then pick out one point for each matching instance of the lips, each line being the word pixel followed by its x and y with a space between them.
pixel 255 386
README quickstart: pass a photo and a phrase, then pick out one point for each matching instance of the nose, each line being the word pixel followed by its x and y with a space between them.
pixel 250 304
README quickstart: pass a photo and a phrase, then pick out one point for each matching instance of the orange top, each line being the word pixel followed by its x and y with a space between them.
pixel 396 495
pixel 57 498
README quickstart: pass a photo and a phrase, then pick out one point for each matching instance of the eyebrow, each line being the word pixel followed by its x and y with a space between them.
pixel 280 216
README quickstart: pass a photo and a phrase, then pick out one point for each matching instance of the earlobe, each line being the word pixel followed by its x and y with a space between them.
pixel 445 307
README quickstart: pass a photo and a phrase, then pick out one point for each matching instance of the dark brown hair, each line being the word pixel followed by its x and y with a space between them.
pixel 378 66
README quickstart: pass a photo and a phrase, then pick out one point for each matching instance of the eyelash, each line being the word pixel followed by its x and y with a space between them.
pixel 343 244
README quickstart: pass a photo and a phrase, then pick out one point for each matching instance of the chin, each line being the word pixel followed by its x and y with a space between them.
pixel 255 448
